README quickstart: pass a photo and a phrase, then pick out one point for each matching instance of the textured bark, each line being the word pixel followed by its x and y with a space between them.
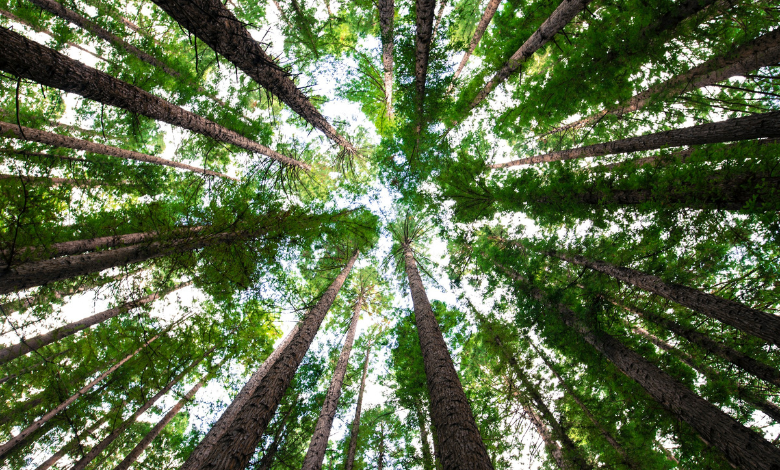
pixel 214 24
pixel 119 430
pixel 761 52
pixel 745 128
pixel 19 438
pixel 33 344
pixel 353 437
pixel 424 10
pixel 748 364
pixel 461 443
pixel 386 17
pixel 27 59
pixel 319 440
pixel 562 15
pixel 755 322
pixel 552 446
pixel 237 444
pixel 490 10
pixel 57 140
pixel 426 445
pixel 72 444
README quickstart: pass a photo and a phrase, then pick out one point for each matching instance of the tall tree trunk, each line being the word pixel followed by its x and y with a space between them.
pixel 50 181
pixel 424 32
pixel 380 464
pixel 439 15
pixel 28 59
pixel 550 444
pixel 562 15
pixel 119 430
pixel 748 364
pixel 743 447
pixel 237 444
pixel 761 52
pixel 270 454
pixel 33 344
pixel 56 140
pixel 461 442
pixel 319 440
pixel 386 17
pixel 29 369
pixel 426 445
pixel 570 391
pixel 745 128
pixel 214 24
pixel 353 437
pixel 16 440
pixel 436 448
pixel 755 322
pixel 490 10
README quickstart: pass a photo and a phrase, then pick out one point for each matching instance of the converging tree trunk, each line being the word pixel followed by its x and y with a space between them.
pixel 424 33
pixel 461 443
pixel 27 370
pixel 745 128
pixel 28 59
pixel 550 444
pixel 386 16
pixel 490 10
pixel 72 444
pixel 319 440
pixel 270 453
pixel 353 435
pixel 237 444
pixel 33 344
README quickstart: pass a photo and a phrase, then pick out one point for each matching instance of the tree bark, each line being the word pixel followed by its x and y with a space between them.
pixel 27 59
pixel 550 444
pixel 462 446
pixel 426 445
pixel 214 24
pixel 319 440
pixel 439 15
pixel 380 464
pixel 761 52
pixel 33 344
pixel 745 128
pixel 237 444
pixel 755 322
pixel 562 15
pixel 56 140
pixel 353 438
pixel 16 440
pixel 424 33
pixel 386 17
pixel 487 17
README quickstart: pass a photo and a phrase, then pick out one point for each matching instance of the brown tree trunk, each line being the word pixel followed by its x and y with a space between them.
pixel 386 17
pixel 755 322
pixel 319 440
pixel 27 59
pixel 748 364
pixel 353 438
pixel 119 430
pixel 562 15
pixel 237 444
pixel 33 344
pixel 270 454
pixel 57 140
pixel 16 440
pixel 550 444
pixel 761 52
pixel 214 24
pixel 490 10
pixel 462 446
pixel 380 464
pixel 426 445
pixel 745 128
pixel 439 15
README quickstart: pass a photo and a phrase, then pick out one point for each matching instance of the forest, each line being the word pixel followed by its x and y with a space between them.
pixel 390 234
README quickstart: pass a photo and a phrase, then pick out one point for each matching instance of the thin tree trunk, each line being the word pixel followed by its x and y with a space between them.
pixel 119 430
pixel 27 59
pixel 436 448
pixel 380 464
pixel 33 344
pixel 353 438
pixel 386 17
pixel 439 15
pixel 562 15
pixel 745 128
pixel 16 440
pixel 56 140
pixel 424 10
pixel 270 454
pixel 462 445
pixel 237 444
pixel 743 447
pixel 319 440
pixel 487 17
pixel 50 180
pixel 214 24
pixel 755 322
pixel 426 445
pixel 29 369
pixel 550 444
pixel 18 410
pixel 761 52
pixel 748 364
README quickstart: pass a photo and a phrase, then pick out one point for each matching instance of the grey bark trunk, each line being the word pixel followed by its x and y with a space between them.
pixel 33 344
pixel 28 59
pixel 745 128
pixel 487 17
pixel 386 17
pixel 319 440
pixel 353 438
pixel 237 444
pixel 462 446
